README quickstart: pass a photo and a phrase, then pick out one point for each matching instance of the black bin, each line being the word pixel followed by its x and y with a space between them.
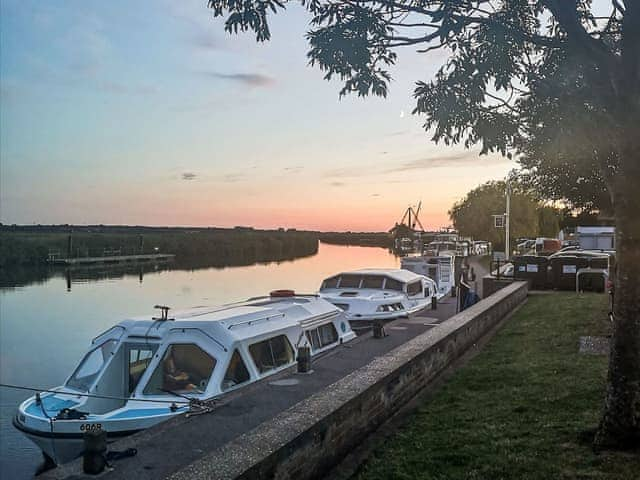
pixel 563 271
pixel 591 282
pixel 531 268
pixel 599 262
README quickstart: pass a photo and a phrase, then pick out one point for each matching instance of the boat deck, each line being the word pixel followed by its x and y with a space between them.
pixel 172 445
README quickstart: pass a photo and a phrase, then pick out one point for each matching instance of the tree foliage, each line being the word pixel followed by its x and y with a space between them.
pixel 473 215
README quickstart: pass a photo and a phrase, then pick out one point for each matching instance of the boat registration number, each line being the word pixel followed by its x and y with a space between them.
pixel 90 427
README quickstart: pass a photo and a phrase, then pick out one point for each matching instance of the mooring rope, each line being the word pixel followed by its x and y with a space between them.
pixel 94 395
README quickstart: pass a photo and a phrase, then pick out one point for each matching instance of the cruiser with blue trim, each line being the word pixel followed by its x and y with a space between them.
pixel 379 293
pixel 144 371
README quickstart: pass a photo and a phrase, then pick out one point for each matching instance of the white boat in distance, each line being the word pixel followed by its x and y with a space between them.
pixel 378 294
pixel 440 268
pixel 144 371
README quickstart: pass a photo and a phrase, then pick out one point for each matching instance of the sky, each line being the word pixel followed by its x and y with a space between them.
pixel 147 113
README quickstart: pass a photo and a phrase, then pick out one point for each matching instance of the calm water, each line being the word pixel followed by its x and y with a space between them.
pixel 46 327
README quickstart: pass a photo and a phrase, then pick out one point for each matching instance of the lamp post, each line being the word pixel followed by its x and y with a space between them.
pixel 507 251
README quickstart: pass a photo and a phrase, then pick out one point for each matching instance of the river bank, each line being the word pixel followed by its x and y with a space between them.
pixel 202 247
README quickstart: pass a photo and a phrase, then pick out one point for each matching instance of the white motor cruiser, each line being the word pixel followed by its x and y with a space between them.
pixel 144 371
pixel 440 268
pixel 379 294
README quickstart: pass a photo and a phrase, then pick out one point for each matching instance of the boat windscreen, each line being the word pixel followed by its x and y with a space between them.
pixel 372 281
pixel 331 282
pixel 393 284
pixel 350 281
pixel 91 366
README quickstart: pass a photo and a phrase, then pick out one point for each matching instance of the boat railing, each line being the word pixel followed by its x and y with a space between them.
pixel 256 320
pixel 318 319
pixel 183 329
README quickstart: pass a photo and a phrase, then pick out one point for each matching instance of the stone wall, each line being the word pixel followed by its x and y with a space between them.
pixel 308 439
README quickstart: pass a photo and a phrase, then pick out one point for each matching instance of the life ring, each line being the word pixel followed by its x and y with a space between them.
pixel 282 293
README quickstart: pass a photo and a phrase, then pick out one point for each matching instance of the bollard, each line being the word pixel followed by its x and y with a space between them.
pixel 434 303
pixel 95 446
pixel 378 330
pixel 304 359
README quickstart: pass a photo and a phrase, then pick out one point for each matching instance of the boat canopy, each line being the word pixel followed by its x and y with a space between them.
pixel 370 278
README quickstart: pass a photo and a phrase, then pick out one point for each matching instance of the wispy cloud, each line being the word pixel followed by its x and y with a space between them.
pixel 189 176
pixel 468 158
pixel 293 170
pixel 376 195
pixel 206 40
pixel 233 177
pixel 398 133
pixel 337 184
pixel 461 159
pixel 124 89
pixel 250 79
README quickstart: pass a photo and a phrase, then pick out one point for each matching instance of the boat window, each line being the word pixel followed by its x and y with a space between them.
pixel 91 366
pixel 350 281
pixel 414 288
pixel 139 358
pixel 372 281
pixel 184 368
pixel 322 336
pixel 271 353
pixel 392 284
pixel 331 282
pixel 445 273
pixel 237 372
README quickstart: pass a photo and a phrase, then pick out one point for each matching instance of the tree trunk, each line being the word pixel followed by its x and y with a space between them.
pixel 620 423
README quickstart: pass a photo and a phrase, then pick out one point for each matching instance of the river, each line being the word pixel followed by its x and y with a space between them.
pixel 46 326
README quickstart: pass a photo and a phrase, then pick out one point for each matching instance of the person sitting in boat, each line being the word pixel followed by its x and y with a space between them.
pixel 174 378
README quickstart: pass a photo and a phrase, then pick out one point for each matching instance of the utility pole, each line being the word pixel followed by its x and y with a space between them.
pixel 507 251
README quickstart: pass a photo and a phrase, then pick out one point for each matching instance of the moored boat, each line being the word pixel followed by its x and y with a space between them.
pixel 439 268
pixel 378 294
pixel 144 371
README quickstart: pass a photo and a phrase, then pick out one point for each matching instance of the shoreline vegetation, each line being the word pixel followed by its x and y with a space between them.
pixel 30 246
pixel 525 407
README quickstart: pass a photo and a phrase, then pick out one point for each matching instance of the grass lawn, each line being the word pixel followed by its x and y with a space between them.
pixel 517 410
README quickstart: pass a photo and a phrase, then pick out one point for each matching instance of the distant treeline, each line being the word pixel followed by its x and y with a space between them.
pixel 32 245
pixel 364 239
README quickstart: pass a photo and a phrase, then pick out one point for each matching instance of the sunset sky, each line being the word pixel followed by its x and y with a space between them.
pixel 147 112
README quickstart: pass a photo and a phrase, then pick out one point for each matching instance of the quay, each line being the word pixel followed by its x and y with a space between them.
pixel 302 425
pixel 112 259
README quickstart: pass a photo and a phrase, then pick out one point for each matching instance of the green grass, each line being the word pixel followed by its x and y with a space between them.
pixel 517 410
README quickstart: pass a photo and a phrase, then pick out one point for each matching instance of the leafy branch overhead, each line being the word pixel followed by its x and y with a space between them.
pixel 499 85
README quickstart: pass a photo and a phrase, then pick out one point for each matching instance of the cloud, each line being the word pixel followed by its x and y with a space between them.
pixel 398 133
pixel 250 79
pixel 123 89
pixel 293 170
pixel 462 159
pixel 189 176
pixel 233 177
pixel 337 184
pixel 468 158
pixel 376 195
pixel 206 40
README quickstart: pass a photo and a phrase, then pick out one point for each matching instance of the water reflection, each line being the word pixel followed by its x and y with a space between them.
pixel 46 323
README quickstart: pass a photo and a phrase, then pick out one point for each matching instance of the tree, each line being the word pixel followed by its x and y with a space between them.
pixel 503 62
pixel 472 216
pixel 548 221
